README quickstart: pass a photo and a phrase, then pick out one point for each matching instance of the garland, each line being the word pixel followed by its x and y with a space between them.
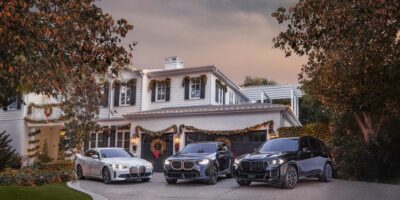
pixel 225 140
pixel 46 107
pixel 156 133
pixel 130 82
pixel 33 141
pixel 224 87
pixel 153 83
pixel 319 130
pixel 34 133
pixel 185 79
pixel 34 155
pixel 158 147
pixel 45 121
pixel 33 149
pixel 203 78
pixel 247 130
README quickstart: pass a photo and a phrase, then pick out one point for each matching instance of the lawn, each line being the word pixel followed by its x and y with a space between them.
pixel 58 191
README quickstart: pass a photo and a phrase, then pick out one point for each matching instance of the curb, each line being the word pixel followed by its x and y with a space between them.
pixel 76 185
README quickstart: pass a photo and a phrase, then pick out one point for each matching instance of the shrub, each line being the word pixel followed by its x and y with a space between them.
pixel 318 130
pixel 6 151
pixel 38 175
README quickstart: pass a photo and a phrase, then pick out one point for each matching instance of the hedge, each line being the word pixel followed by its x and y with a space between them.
pixel 318 130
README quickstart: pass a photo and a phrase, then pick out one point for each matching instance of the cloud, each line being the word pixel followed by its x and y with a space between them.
pixel 235 35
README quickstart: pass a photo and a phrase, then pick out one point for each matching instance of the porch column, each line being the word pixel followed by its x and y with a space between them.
pixel 31 137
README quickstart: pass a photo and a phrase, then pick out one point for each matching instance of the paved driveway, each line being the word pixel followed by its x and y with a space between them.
pixel 157 188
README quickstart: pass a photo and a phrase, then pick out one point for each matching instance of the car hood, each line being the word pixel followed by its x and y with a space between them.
pixel 192 156
pixel 125 161
pixel 267 155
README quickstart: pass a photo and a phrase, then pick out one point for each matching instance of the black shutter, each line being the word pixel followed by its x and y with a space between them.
pixel 18 99
pixel 216 92
pixel 223 97
pixel 187 85
pixel 112 136
pixel 168 92
pixel 133 91
pixel 116 94
pixel 106 134
pixel 153 93
pixel 106 94
pixel 202 89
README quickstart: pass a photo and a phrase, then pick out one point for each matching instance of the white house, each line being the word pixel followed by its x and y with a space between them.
pixel 155 112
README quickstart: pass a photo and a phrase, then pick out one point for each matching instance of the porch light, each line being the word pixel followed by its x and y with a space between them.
pixel 177 139
pixel 134 141
pixel 62 133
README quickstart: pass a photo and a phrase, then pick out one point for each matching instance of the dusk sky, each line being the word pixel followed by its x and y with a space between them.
pixel 234 35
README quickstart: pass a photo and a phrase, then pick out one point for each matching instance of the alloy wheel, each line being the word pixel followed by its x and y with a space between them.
pixel 79 172
pixel 106 176
pixel 328 172
pixel 291 177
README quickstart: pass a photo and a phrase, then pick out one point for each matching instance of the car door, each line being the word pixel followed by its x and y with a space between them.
pixel 85 162
pixel 96 165
pixel 318 160
pixel 304 157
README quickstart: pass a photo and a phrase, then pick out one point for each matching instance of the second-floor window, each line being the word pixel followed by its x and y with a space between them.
pixel 195 88
pixel 125 95
pixel 161 91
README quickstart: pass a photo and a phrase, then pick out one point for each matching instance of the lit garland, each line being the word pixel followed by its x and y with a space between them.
pixel 33 149
pixel 203 78
pixel 247 130
pixel 318 130
pixel 45 121
pixel 34 141
pixel 139 129
pixel 158 147
pixel 34 133
pixel 46 107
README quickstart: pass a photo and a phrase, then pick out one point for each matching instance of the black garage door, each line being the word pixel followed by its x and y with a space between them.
pixel 240 144
pixel 147 154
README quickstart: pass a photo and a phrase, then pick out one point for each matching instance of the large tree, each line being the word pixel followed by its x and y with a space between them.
pixel 257 81
pixel 353 51
pixel 55 47
pixel 47 45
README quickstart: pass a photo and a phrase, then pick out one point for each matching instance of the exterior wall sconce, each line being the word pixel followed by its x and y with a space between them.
pixel 177 140
pixel 62 133
pixel 134 142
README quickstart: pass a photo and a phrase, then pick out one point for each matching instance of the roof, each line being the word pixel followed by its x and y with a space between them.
pixel 210 109
pixel 284 91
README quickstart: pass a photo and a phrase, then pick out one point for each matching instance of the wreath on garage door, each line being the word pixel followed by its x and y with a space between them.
pixel 158 147
pixel 225 140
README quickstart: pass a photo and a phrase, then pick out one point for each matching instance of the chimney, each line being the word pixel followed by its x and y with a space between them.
pixel 173 62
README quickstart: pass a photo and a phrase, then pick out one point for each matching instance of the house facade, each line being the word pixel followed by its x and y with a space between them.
pixel 154 113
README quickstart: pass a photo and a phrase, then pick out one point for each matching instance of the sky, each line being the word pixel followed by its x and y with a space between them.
pixel 234 35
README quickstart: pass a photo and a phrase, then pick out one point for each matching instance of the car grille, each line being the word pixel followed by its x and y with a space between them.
pixel 134 175
pixel 141 171
pixel 248 165
pixel 183 174
pixel 188 165
pixel 176 164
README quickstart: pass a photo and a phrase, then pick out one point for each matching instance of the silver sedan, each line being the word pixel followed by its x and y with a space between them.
pixel 112 164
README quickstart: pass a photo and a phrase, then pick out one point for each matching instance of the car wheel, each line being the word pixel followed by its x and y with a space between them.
pixel 171 181
pixel 244 183
pixel 79 172
pixel 290 178
pixel 106 176
pixel 145 179
pixel 213 175
pixel 327 173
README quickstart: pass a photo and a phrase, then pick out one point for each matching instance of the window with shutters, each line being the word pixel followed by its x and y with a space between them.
pixel 125 95
pixel 195 88
pixel 161 91
pixel 231 97
pixel 220 95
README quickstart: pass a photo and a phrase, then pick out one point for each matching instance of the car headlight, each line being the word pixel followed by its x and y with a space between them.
pixel 237 161
pixel 116 166
pixel 276 162
pixel 148 165
pixel 204 162
pixel 167 162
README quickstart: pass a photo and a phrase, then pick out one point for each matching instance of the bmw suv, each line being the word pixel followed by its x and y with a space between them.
pixel 284 161
pixel 199 161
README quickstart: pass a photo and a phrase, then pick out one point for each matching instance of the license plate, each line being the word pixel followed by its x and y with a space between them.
pixel 251 176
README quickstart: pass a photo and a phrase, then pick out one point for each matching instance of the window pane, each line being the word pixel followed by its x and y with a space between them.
pixel 128 96
pixel 100 139
pixel 126 141
pixel 119 139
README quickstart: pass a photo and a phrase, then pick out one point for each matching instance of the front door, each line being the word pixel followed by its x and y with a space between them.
pixel 157 160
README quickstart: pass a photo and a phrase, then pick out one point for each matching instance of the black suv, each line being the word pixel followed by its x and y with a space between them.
pixel 284 161
pixel 199 161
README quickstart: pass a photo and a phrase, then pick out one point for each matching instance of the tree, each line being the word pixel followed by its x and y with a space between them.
pixel 55 47
pixel 256 81
pixel 6 151
pixel 353 50
pixel 311 111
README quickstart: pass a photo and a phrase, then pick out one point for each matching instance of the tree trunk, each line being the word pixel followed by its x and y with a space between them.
pixel 364 121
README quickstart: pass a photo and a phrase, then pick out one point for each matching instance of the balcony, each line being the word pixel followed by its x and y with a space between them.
pixel 45 113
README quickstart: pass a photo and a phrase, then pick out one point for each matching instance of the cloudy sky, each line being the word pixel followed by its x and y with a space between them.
pixel 234 35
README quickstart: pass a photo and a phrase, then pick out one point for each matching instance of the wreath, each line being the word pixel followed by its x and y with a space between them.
pixel 158 147
pixel 224 140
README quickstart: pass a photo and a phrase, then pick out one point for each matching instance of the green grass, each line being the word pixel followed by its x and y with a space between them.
pixel 58 191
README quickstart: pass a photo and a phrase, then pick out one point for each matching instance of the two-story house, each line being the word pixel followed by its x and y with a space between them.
pixel 154 113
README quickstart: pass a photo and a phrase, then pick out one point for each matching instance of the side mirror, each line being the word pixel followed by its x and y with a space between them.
pixel 95 157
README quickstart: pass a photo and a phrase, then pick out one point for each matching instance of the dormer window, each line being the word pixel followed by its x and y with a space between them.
pixel 195 88
pixel 161 91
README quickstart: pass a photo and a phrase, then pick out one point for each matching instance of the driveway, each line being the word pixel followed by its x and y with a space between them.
pixel 157 188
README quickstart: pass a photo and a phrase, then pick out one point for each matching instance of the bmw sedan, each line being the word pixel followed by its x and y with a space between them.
pixel 112 164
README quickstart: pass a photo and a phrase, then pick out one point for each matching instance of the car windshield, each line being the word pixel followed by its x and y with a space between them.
pixel 115 153
pixel 200 148
pixel 279 145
